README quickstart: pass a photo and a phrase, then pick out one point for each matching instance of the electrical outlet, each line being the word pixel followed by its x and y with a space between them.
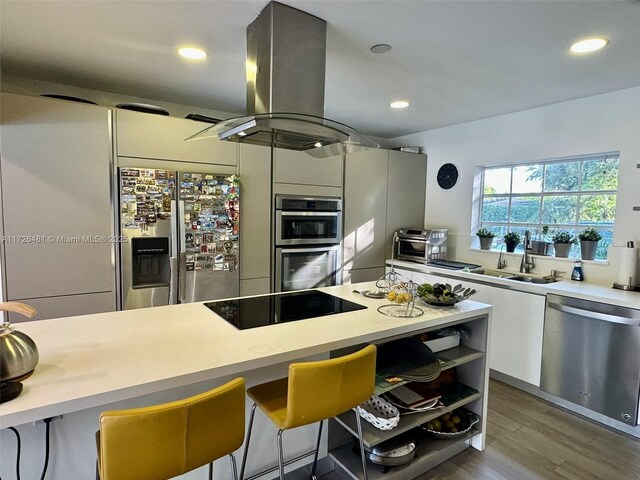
pixel 42 422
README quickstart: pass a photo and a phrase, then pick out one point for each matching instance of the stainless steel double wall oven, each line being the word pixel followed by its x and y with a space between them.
pixel 308 235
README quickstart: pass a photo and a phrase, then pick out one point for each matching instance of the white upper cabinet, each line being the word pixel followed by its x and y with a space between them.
pixel 291 166
pixel 406 189
pixel 144 135
pixel 384 190
pixel 56 198
pixel 255 212
pixel 365 207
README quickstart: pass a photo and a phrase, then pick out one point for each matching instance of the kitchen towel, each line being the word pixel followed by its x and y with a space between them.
pixel 627 265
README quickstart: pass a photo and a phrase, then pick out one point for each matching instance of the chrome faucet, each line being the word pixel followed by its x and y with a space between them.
pixel 526 264
pixel 502 263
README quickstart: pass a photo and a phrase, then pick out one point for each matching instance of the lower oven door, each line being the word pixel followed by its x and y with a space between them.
pixel 300 268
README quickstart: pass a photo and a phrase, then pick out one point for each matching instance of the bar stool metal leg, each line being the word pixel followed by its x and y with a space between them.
pixel 315 457
pixel 246 445
pixel 360 440
pixel 280 455
pixel 234 468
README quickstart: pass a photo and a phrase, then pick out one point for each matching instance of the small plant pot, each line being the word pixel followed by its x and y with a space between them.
pixel 562 249
pixel 511 246
pixel 540 248
pixel 485 243
pixel 588 249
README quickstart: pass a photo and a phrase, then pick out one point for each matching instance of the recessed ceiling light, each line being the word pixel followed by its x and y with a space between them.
pixel 317 144
pixel 399 104
pixel 589 45
pixel 242 134
pixel 192 53
pixel 381 48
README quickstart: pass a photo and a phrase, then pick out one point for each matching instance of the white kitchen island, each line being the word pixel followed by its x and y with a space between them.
pixel 123 359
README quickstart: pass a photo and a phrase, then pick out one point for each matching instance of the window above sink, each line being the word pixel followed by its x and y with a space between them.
pixel 570 194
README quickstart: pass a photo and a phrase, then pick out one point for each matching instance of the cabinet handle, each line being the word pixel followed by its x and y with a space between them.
pixel 595 315
pixel 310 214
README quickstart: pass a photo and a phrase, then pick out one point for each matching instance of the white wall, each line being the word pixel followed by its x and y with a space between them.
pixel 602 123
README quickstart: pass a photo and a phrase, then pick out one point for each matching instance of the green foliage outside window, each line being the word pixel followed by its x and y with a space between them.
pixel 569 195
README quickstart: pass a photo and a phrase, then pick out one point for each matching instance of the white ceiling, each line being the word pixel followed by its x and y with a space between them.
pixel 456 61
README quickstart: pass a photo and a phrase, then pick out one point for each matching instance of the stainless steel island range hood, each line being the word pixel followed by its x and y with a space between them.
pixel 286 51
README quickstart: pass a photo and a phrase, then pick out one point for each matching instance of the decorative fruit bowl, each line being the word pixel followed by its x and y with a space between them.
pixel 401 292
pixel 451 425
pixel 443 294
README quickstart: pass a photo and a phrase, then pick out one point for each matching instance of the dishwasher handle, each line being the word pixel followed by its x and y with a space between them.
pixel 632 322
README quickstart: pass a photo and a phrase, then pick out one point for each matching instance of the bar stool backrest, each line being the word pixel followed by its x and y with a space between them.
pixel 326 388
pixel 163 441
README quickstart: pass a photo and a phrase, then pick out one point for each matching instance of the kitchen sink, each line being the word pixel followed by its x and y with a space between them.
pixel 517 276
pixel 529 279
pixel 495 273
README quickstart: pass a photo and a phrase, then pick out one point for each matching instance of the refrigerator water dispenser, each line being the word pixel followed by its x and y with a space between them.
pixel 150 262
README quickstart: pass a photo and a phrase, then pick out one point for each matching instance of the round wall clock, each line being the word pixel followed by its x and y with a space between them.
pixel 447 176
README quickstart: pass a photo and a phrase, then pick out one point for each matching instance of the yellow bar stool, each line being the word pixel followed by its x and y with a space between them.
pixel 166 440
pixel 314 392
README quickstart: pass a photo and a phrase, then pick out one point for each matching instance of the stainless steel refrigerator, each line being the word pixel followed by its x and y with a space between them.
pixel 180 237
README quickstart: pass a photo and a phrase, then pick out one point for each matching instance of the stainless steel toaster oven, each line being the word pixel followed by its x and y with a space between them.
pixel 421 245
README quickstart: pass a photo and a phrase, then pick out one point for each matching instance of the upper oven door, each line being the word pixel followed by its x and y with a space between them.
pixel 308 228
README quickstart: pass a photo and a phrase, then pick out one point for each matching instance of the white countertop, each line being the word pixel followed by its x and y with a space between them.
pixel 584 290
pixel 92 360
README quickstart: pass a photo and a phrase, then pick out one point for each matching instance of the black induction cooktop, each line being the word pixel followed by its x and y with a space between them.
pixel 253 312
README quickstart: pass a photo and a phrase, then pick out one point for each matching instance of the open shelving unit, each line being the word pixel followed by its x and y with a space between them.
pixel 429 453
pixel 469 359
pixel 448 359
pixel 373 436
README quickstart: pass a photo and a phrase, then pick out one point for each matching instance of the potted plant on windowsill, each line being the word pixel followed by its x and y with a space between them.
pixel 486 238
pixel 562 242
pixel 541 246
pixel 511 240
pixel 589 239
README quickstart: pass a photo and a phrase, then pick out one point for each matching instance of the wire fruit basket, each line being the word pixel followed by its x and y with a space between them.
pixel 401 292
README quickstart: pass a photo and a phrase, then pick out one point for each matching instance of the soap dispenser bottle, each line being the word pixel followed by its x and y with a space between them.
pixel 577 271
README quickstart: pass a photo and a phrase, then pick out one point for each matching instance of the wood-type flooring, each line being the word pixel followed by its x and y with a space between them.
pixel 530 439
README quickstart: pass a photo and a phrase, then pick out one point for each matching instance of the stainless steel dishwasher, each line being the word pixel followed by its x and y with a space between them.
pixel 591 356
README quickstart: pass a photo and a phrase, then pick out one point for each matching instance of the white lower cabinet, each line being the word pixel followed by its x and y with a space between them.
pixel 515 346
pixel 516 337
pixel 358 275
pixel 67 305
pixel 254 286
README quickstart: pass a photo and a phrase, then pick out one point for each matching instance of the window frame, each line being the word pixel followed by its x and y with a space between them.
pixel 536 227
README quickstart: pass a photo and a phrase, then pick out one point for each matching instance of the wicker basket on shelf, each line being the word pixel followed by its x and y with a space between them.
pixel 379 413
